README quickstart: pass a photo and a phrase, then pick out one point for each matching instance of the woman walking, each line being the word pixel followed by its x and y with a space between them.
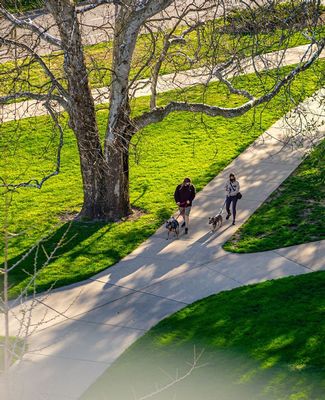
pixel 232 189
pixel 184 195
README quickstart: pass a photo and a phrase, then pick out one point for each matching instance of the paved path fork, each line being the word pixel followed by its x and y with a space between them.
pixel 91 323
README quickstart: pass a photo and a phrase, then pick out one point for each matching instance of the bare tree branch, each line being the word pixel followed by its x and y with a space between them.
pixel 48 72
pixel 159 114
pixel 148 8
pixel 35 182
pixel 28 24
pixel 193 366
pixel 231 88
pixel 35 96
pixel 96 3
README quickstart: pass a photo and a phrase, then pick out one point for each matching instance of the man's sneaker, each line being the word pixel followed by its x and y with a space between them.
pixel 183 224
pixel 228 215
pixel 186 231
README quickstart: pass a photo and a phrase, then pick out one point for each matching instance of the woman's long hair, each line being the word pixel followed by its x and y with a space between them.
pixel 184 182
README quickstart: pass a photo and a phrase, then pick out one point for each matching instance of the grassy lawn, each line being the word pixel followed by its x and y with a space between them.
pixel 264 341
pixel 28 75
pixel 23 5
pixel 293 214
pixel 183 144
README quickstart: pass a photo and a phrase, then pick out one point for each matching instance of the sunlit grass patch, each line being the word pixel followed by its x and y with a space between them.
pixel 264 341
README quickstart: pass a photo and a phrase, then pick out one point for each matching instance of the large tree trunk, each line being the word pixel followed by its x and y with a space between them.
pixel 120 129
pixel 105 173
pixel 105 180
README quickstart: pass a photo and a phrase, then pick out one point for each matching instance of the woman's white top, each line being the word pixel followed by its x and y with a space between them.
pixel 232 188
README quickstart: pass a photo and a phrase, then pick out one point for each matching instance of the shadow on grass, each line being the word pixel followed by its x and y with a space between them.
pixel 58 243
pixel 80 250
pixel 263 341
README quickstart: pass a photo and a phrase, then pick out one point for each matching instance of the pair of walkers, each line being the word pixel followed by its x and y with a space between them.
pixel 185 194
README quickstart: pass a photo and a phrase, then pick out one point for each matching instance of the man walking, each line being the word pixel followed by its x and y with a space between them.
pixel 184 196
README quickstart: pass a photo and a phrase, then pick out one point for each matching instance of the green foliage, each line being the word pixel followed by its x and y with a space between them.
pixel 293 214
pixel 294 15
pixel 161 155
pixel 264 341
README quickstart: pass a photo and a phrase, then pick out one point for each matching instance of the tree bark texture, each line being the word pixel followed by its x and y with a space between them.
pixel 120 129
pixel 105 178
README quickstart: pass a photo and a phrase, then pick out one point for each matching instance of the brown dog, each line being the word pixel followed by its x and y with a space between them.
pixel 215 221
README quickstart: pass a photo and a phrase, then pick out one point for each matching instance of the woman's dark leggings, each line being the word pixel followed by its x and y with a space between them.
pixel 233 200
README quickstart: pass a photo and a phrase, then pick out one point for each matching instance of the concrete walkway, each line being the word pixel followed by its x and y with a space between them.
pixel 179 80
pixel 83 328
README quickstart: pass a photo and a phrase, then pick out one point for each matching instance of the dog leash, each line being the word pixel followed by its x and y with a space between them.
pixel 179 215
pixel 181 212
pixel 223 206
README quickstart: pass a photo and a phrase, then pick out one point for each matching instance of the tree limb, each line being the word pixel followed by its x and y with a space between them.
pixel 35 182
pixel 193 366
pixel 96 3
pixel 28 24
pixel 231 88
pixel 35 96
pixel 39 59
pixel 149 8
pixel 160 113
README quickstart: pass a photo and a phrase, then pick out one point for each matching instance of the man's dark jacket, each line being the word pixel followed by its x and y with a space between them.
pixel 184 193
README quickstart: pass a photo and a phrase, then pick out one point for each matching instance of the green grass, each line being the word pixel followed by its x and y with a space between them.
pixel 264 341
pixel 293 214
pixel 183 144
pixel 23 5
pixel 27 75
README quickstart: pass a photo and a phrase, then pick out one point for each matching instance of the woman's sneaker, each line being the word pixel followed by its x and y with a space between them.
pixel 186 231
pixel 183 224
pixel 228 216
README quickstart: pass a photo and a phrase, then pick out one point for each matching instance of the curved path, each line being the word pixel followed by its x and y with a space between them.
pixel 177 80
pixel 90 324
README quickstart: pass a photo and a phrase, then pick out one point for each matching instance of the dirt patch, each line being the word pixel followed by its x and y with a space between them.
pixel 135 215
pixel 67 216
